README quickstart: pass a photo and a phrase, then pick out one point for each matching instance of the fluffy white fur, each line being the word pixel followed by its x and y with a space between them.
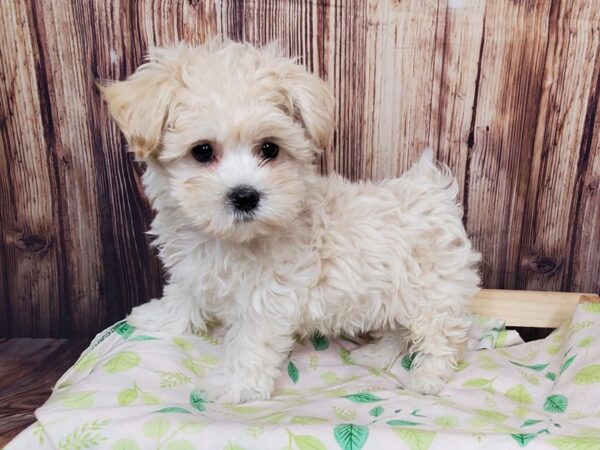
pixel 319 253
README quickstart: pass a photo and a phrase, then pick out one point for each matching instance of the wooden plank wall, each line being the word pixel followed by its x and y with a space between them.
pixel 505 91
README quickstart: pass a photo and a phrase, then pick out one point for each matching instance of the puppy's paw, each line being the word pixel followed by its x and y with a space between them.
pixel 159 315
pixel 424 383
pixel 427 386
pixel 223 387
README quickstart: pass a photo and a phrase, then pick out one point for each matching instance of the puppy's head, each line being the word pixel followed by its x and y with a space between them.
pixel 235 129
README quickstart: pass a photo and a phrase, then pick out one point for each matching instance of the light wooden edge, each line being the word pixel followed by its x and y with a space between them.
pixel 535 309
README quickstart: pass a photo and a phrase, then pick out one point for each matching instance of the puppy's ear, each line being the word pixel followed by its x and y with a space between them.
pixel 140 105
pixel 312 104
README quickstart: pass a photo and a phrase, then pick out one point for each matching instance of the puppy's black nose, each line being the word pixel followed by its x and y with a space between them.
pixel 244 198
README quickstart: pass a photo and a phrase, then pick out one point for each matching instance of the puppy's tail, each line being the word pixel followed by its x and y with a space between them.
pixel 435 171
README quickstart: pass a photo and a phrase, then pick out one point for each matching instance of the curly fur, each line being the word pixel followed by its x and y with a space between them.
pixel 319 254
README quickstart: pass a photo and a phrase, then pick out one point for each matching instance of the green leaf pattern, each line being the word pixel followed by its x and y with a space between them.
pixel 377 411
pixel 319 342
pixel 556 403
pixel 350 436
pixel 85 436
pixel 122 361
pixel 520 395
pixel 293 372
pixel 324 401
pixel 363 397
pixel 588 375
pixel 416 439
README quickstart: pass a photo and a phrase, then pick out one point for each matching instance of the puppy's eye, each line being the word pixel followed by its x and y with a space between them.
pixel 269 150
pixel 203 152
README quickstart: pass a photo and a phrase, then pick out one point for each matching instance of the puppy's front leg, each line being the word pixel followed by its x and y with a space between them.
pixel 254 353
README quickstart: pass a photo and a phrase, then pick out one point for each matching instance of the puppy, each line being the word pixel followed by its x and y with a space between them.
pixel 250 234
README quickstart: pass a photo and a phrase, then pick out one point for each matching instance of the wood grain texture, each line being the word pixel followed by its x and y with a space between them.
pixel 531 309
pixel 499 143
pixel 562 151
pixel 31 242
pixel 29 368
pixel 505 92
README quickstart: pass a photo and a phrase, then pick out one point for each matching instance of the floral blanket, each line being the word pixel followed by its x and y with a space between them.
pixel 135 390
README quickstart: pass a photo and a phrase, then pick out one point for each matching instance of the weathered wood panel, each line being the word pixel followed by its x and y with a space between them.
pixel 31 229
pixel 562 150
pixel 459 50
pixel 400 41
pixel 504 117
pixel 73 241
pixel 506 92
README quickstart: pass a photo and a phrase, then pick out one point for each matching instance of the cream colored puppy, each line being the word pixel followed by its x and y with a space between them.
pixel 252 236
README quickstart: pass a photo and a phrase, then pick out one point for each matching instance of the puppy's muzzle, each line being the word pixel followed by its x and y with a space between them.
pixel 244 198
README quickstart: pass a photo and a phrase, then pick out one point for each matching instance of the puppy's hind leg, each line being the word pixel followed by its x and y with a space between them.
pixel 382 353
pixel 437 347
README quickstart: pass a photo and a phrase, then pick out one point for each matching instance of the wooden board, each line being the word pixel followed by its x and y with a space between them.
pixel 29 368
pixel 529 308
pixel 505 92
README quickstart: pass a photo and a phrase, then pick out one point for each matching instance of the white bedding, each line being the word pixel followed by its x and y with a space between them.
pixel 136 390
